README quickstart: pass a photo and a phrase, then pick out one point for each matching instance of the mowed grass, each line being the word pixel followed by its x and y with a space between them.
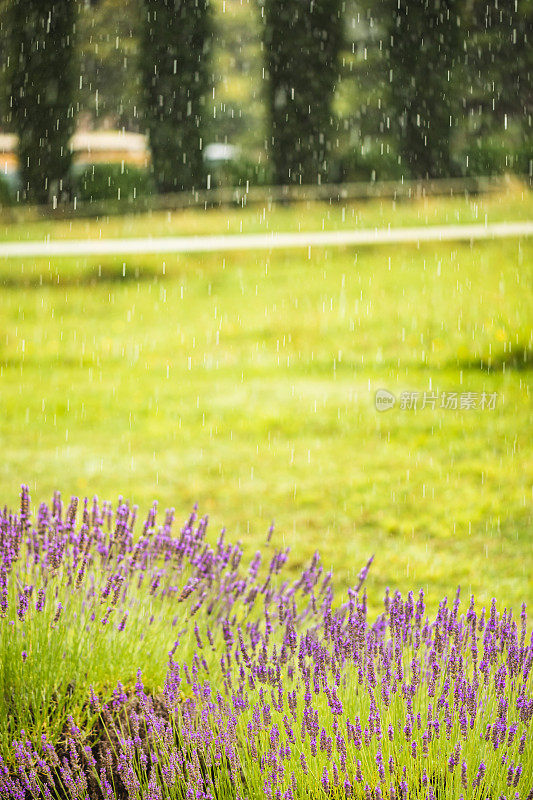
pixel 246 381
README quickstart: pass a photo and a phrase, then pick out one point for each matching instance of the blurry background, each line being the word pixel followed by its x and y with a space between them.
pixel 333 90
pixel 245 381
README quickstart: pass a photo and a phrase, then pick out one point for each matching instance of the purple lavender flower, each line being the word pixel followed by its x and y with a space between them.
pixel 479 775
pixel 57 615
pixel 325 780
pixel 275 642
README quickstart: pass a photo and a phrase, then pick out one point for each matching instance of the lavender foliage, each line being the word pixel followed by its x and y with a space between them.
pixel 236 683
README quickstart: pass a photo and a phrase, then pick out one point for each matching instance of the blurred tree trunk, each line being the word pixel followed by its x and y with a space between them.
pixel 302 42
pixel 175 57
pixel 42 86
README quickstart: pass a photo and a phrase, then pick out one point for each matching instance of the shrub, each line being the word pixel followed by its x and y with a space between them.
pixel 159 666
pixel 242 170
pixel 373 161
pixel 490 156
pixel 99 182
pixel 6 191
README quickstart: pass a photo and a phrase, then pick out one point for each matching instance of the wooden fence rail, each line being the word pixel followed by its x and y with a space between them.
pixel 270 195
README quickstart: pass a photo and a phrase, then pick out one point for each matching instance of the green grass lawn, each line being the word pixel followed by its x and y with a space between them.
pixel 246 381
pixel 514 204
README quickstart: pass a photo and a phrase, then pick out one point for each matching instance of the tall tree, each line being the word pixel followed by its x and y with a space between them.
pixel 424 46
pixel 42 86
pixel 175 47
pixel 498 63
pixel 110 83
pixel 302 43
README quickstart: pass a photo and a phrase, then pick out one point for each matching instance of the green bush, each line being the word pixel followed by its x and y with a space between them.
pixel 372 162
pixel 6 191
pixel 241 171
pixel 124 182
pixel 493 157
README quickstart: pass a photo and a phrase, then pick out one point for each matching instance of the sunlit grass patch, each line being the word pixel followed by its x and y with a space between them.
pixel 515 204
pixel 246 382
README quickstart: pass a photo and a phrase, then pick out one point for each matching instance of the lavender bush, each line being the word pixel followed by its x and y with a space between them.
pixel 157 666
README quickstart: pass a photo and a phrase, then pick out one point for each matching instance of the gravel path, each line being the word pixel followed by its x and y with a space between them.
pixel 263 241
